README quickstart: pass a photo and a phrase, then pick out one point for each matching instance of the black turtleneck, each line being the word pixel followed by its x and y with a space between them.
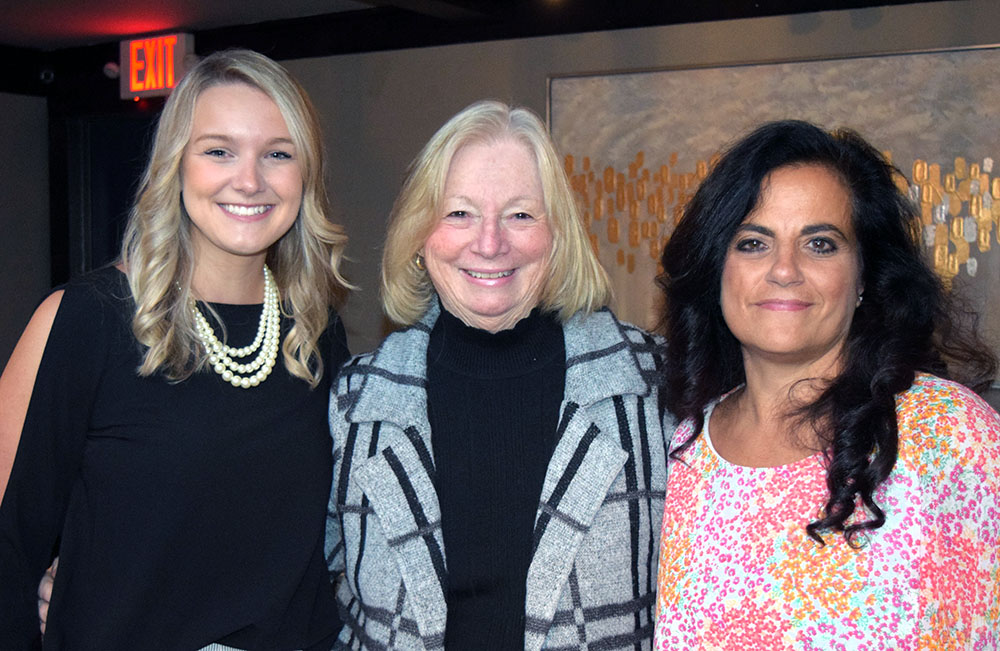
pixel 493 404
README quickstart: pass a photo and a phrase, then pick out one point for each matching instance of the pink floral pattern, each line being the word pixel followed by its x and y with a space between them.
pixel 738 571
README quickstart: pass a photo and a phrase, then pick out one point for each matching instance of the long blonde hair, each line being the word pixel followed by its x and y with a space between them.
pixel 576 280
pixel 156 251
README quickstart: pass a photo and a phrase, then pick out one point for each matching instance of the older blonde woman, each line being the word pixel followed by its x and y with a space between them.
pixel 499 462
pixel 185 479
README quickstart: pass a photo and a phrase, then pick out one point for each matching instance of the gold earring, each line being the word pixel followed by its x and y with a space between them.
pixel 418 261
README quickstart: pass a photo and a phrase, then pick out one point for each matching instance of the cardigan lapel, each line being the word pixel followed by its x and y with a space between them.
pixel 401 491
pixel 603 360
pixel 391 382
pixel 399 480
pixel 583 467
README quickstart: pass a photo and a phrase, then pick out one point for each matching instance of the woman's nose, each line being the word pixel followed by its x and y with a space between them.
pixel 491 240
pixel 785 268
pixel 247 177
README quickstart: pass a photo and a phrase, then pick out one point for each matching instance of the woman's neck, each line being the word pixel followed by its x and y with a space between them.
pixel 759 426
pixel 237 282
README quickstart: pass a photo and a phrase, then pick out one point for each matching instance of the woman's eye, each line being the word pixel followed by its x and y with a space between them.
pixel 280 155
pixel 216 153
pixel 522 215
pixel 822 245
pixel 457 213
pixel 749 245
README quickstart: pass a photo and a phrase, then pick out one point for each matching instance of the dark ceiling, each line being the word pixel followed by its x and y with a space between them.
pixel 49 25
pixel 43 42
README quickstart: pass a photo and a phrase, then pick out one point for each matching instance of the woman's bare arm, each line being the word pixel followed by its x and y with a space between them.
pixel 18 380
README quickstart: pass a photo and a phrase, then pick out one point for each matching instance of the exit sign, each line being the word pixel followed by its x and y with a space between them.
pixel 153 65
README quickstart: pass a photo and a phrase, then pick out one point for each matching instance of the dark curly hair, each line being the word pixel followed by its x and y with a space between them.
pixel 906 324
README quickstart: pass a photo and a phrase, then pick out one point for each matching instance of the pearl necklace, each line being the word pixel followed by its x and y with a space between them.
pixel 220 355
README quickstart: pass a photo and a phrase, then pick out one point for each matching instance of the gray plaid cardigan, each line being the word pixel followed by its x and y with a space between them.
pixel 591 583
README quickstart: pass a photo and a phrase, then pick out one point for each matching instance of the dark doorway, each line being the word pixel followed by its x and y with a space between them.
pixel 104 157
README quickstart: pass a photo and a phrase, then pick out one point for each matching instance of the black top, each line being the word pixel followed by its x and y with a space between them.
pixel 493 406
pixel 189 513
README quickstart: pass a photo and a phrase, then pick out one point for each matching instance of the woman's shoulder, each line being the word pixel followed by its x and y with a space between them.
pixel 607 356
pixel 89 300
pixel 602 332
pixel 932 398
pixel 401 354
pixel 336 336
pixel 602 322
pixel 680 432
pixel 104 285
pixel 943 416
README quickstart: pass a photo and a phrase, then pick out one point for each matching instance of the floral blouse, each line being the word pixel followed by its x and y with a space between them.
pixel 738 571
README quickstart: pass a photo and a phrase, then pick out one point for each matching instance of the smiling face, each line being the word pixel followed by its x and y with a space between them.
pixel 488 255
pixel 241 181
pixel 791 279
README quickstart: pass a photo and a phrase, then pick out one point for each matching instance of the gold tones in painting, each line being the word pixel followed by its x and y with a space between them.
pixel 635 210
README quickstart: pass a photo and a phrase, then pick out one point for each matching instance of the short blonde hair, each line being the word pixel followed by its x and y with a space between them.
pixel 156 251
pixel 576 281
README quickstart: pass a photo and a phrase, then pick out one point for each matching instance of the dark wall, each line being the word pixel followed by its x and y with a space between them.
pixel 24 213
pixel 103 157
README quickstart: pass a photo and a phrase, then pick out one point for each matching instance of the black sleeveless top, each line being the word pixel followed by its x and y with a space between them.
pixel 189 513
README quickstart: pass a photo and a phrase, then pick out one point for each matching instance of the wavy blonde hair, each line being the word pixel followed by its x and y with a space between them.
pixel 576 281
pixel 157 252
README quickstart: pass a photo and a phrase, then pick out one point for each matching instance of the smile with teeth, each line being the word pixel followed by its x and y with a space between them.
pixel 245 211
pixel 482 275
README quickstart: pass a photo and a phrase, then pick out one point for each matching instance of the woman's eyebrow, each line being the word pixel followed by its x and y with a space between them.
pixel 755 228
pixel 812 229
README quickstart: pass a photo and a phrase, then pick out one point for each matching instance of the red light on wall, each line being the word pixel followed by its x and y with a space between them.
pixel 153 65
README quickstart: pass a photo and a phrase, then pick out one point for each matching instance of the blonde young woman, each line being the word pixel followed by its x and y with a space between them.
pixel 182 482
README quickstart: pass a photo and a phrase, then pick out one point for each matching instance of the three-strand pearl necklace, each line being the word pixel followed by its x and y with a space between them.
pixel 265 344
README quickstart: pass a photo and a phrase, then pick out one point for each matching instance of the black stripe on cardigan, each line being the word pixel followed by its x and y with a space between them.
pixel 567 416
pixel 365 510
pixel 631 484
pixel 597 354
pixel 421 449
pixel 563 484
pixel 433 549
pixel 647 475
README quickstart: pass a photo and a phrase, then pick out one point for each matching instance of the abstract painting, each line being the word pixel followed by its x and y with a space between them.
pixel 636 144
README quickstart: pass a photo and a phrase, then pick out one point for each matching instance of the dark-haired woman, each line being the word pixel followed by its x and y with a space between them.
pixel 828 487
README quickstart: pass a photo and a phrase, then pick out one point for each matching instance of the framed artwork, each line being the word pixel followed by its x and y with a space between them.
pixel 636 145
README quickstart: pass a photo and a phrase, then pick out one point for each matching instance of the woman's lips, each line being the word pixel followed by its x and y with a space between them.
pixel 489 275
pixel 782 305
pixel 245 212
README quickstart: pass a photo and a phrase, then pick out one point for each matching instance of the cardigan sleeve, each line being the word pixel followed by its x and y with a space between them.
pixel 48 456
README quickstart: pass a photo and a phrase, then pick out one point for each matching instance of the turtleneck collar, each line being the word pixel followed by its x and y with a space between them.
pixel 533 342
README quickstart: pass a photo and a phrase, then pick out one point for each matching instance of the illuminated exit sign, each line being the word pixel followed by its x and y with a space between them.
pixel 153 65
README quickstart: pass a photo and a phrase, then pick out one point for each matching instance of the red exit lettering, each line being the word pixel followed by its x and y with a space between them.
pixel 152 63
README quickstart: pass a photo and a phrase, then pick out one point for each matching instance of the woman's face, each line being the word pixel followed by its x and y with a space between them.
pixel 791 279
pixel 488 255
pixel 241 180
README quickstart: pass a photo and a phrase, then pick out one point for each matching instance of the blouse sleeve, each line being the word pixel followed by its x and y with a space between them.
pixel 956 438
pixel 48 457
